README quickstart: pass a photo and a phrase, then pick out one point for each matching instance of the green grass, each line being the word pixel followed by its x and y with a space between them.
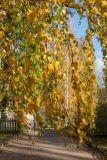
pixel 101 144
pixel 4 137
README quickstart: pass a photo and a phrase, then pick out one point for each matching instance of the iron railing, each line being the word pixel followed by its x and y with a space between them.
pixel 9 125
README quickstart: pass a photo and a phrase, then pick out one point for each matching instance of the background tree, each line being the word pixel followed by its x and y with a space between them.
pixel 82 89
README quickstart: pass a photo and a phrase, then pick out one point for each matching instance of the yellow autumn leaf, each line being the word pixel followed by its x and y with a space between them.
pixel 58 127
pixel 57 64
pixel 18 17
pixel 64 75
pixel 64 11
pixel 51 67
pixel 35 19
pixel 92 77
pixel 76 78
pixel 81 66
pixel 49 38
pixel 4 13
pixel 33 142
pixel 55 1
pixel 88 93
pixel 29 100
pixel 104 3
pixel 61 22
pixel 78 131
pixel 47 10
pixel 29 13
pixel 105 14
pixel 89 59
pixel 14 86
pixel 16 79
pixel 54 52
pixel 84 121
pixel 95 10
pixel 49 58
pixel 20 69
pixel 44 24
pixel 64 1
pixel 13 72
pixel 1 34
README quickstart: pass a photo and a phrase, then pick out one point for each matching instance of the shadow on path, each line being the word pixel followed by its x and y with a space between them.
pixel 44 148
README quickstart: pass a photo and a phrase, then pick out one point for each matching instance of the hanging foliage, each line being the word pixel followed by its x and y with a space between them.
pixel 33 36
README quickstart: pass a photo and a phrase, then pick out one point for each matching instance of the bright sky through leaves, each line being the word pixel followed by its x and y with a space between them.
pixel 79 28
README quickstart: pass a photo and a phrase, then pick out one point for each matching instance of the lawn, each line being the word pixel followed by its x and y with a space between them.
pixel 101 144
pixel 5 137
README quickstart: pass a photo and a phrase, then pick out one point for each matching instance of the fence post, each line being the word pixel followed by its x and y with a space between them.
pixel 9 125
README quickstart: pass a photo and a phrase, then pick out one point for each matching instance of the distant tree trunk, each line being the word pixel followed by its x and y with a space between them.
pixel 4 103
pixel 4 88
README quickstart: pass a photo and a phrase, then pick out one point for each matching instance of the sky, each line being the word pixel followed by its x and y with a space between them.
pixel 79 30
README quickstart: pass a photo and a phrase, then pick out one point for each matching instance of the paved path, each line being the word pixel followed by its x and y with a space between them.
pixel 44 148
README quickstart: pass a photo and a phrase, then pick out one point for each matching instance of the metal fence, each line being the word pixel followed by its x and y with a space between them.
pixel 101 129
pixel 9 126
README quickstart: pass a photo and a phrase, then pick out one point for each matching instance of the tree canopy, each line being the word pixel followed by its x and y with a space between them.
pixel 34 35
